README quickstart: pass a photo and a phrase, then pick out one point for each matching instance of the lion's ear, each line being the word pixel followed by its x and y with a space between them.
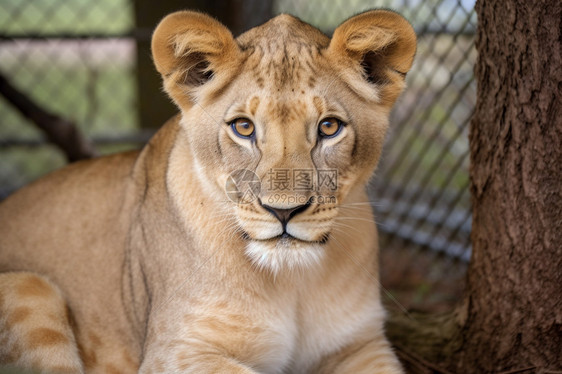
pixel 188 48
pixel 380 45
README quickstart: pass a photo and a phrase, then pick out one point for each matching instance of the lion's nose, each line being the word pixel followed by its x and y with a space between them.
pixel 284 215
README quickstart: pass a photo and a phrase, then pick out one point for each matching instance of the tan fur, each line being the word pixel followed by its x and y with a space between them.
pixel 140 262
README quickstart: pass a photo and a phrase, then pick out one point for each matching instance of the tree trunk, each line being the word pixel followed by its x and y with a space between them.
pixel 511 318
pixel 515 276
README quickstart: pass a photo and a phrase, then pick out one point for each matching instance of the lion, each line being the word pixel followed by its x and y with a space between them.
pixel 240 239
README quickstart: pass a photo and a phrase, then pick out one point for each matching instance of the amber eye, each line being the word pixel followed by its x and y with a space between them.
pixel 243 127
pixel 330 127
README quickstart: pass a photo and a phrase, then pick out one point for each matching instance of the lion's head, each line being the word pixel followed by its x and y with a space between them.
pixel 283 118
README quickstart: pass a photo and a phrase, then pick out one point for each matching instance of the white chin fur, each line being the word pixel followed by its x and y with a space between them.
pixel 276 256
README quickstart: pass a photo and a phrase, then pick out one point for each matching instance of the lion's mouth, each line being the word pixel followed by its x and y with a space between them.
pixel 286 238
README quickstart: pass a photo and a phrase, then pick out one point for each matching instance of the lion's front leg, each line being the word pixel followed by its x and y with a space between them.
pixel 190 355
pixel 371 357
pixel 191 360
pixel 202 344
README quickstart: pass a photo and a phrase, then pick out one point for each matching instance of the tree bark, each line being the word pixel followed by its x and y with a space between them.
pixel 511 318
pixel 514 280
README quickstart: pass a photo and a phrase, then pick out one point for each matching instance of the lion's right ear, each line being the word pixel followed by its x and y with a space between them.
pixel 188 49
pixel 378 45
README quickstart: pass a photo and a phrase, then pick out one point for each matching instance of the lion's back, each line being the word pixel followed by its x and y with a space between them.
pixel 51 222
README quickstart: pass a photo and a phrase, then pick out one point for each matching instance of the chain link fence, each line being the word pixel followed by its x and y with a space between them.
pixel 69 57
pixel 79 59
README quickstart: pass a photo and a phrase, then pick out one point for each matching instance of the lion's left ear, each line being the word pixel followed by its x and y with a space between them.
pixel 188 49
pixel 378 44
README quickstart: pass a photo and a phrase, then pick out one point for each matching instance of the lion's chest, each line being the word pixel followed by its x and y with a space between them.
pixel 299 336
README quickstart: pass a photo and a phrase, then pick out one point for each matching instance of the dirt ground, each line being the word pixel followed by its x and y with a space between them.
pixel 420 280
